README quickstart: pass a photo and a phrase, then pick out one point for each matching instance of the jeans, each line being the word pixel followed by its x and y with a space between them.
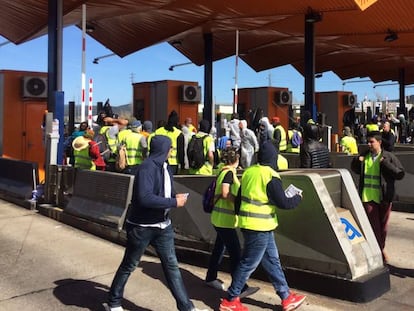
pixel 379 215
pixel 138 238
pixel 226 239
pixel 259 247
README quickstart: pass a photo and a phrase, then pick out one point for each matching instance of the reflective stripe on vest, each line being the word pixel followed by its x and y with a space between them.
pixel 223 214
pixel 371 190
pixel 255 211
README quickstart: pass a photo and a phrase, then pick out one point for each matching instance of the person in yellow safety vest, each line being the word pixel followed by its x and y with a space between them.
pixel 259 196
pixel 176 158
pixel 279 135
pixel 224 220
pixel 378 170
pixel 136 148
pixel 188 123
pixel 293 146
pixel 373 125
pixel 209 148
pixel 81 153
pixel 110 130
pixel 282 163
pixel 348 142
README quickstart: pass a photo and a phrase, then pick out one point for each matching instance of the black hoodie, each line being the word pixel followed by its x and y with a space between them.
pixel 148 201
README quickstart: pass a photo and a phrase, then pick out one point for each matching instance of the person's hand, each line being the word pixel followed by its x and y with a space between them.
pixel 361 159
pixel 181 199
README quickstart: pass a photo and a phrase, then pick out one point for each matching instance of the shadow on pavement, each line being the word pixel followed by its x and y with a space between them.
pixel 196 288
pixel 87 295
pixel 401 272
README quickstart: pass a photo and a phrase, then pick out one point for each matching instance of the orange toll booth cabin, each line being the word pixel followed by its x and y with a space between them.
pixel 23 102
pixel 274 101
pixel 155 100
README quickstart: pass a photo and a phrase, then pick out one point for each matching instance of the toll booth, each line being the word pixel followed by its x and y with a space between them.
pixel 326 244
pixel 23 102
pixel 273 101
pixel 335 107
pixel 155 100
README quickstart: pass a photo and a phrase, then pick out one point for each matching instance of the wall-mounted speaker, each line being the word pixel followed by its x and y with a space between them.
pixel 190 93
pixel 34 87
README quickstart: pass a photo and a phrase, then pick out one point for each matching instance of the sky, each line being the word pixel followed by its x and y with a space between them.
pixel 113 76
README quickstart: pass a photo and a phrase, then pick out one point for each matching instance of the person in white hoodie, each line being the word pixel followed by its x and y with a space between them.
pixel 265 130
pixel 249 145
pixel 234 130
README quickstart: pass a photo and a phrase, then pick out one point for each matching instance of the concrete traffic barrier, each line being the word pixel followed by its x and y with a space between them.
pixel 17 181
pixel 101 197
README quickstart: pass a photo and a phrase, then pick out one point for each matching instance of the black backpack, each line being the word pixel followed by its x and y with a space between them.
pixel 195 152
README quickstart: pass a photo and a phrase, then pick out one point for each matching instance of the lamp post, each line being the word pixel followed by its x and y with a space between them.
pixel 354 81
pixel 96 59
pixel 171 68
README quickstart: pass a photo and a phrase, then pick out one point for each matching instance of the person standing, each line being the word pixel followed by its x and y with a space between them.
pixel 249 145
pixel 348 142
pixel 149 223
pixel 171 130
pixel 279 135
pixel 259 195
pixel 378 170
pixel 388 137
pixel 224 220
pixel 313 153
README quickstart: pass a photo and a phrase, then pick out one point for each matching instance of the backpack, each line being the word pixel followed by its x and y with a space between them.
pixel 121 158
pixel 296 140
pixel 208 197
pixel 195 152
pixel 102 142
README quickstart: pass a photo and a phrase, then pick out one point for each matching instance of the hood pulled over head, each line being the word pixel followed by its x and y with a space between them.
pixel 159 147
pixel 268 154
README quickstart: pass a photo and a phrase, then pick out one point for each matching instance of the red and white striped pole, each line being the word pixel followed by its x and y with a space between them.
pixel 90 121
pixel 83 79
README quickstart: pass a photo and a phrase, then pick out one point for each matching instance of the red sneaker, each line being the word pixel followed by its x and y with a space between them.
pixel 292 301
pixel 234 305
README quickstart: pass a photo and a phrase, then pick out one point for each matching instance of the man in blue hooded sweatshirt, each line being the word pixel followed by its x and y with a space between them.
pixel 259 194
pixel 149 224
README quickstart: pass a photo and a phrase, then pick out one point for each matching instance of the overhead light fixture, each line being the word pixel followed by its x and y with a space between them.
pixel 95 61
pixel 176 43
pixel 90 28
pixel 313 16
pixel 391 36
pixel 318 75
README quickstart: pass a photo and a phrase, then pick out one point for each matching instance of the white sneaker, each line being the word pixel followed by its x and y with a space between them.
pixel 108 308
pixel 217 284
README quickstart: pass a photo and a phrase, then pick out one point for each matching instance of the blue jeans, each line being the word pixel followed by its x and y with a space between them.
pixel 138 238
pixel 226 239
pixel 259 247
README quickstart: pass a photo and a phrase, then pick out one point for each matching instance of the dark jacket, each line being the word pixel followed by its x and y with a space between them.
pixel 313 153
pixel 391 169
pixel 148 201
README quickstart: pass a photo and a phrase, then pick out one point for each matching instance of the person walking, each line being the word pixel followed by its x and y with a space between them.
pixel 224 220
pixel 149 223
pixel 378 170
pixel 348 142
pixel 259 195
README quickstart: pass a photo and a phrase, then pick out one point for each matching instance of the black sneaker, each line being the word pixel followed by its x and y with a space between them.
pixel 248 291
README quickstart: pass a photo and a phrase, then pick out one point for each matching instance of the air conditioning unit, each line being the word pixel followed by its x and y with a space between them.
pixel 350 100
pixel 190 93
pixel 284 97
pixel 34 87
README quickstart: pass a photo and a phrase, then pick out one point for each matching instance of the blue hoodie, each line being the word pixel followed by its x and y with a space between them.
pixel 148 201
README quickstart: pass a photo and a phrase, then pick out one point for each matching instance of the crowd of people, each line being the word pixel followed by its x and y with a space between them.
pixel 248 204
